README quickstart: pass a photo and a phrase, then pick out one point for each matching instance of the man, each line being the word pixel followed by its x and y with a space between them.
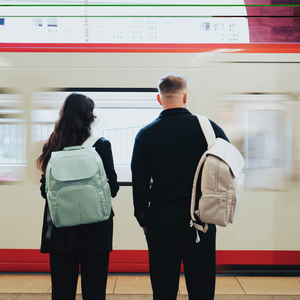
pixel 167 151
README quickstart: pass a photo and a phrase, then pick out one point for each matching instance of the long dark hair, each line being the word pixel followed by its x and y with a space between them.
pixel 72 128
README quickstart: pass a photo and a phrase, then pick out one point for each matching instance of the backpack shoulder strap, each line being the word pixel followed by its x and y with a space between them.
pixel 207 129
pixel 210 139
pixel 90 141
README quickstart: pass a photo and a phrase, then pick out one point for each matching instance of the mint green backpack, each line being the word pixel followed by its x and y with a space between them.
pixel 76 185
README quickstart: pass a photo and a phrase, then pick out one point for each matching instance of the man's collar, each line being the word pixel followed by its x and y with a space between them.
pixel 173 111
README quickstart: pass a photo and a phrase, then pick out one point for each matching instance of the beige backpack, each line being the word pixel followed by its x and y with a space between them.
pixel 221 184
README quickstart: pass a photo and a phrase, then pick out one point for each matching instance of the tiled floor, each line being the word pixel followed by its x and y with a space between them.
pixel 29 287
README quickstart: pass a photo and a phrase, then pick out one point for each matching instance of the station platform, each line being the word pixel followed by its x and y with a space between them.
pixel 137 287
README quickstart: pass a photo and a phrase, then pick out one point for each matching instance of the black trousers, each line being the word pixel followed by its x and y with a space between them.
pixel 165 257
pixel 64 274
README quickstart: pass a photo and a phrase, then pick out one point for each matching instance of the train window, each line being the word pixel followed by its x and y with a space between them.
pixel 120 115
pixel 12 138
pixel 260 127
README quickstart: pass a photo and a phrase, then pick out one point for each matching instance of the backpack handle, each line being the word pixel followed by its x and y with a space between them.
pixel 73 148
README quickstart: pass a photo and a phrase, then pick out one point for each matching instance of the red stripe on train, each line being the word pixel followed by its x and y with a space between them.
pixel 151 48
pixel 136 261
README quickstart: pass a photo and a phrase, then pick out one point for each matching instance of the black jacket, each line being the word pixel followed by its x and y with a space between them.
pixel 167 151
pixel 90 237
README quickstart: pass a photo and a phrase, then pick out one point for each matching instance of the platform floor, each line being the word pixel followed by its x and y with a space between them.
pixel 137 287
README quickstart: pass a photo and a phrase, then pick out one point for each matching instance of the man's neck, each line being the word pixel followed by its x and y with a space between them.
pixel 169 106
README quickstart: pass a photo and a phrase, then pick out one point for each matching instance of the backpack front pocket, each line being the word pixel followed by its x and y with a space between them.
pixel 214 209
pixel 78 205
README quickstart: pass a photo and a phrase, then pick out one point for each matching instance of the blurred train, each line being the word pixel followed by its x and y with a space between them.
pixel 251 90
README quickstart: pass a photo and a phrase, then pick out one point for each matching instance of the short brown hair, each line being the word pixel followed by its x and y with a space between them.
pixel 172 83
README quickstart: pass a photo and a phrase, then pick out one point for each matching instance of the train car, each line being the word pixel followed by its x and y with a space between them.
pixel 252 90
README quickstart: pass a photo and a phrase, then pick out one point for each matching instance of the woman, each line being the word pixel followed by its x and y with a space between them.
pixel 85 245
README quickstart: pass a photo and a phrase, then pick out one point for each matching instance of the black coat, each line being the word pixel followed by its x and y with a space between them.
pixel 167 151
pixel 89 237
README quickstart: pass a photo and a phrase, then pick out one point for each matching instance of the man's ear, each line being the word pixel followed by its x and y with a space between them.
pixel 159 99
pixel 184 97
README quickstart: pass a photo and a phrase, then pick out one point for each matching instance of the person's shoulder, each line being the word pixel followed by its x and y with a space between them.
pixel 213 124
pixel 147 130
pixel 218 130
pixel 102 140
pixel 102 143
